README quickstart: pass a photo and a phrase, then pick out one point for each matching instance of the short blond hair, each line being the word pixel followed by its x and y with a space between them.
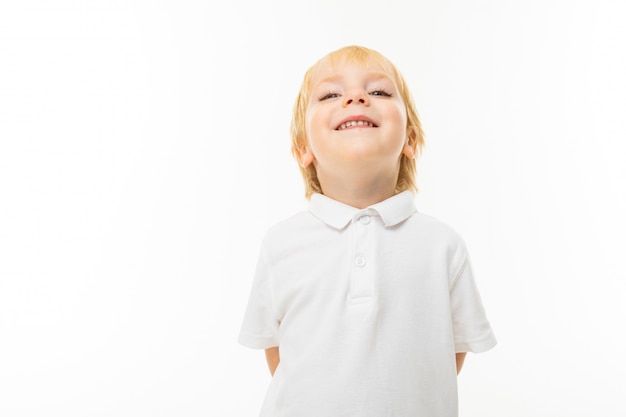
pixel 369 58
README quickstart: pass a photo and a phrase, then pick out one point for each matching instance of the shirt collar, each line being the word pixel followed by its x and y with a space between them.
pixel 392 211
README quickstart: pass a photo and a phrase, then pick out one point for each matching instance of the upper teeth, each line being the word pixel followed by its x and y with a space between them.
pixel 355 123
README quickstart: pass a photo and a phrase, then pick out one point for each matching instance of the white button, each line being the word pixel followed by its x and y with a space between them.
pixel 360 262
pixel 364 219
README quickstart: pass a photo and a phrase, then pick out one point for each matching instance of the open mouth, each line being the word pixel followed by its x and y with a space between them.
pixel 355 123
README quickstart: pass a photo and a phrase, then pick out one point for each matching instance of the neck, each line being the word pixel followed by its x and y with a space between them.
pixel 358 188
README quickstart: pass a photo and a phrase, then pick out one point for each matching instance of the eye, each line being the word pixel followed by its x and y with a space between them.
pixel 380 92
pixel 328 95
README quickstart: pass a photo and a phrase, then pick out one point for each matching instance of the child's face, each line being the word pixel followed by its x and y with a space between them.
pixel 355 114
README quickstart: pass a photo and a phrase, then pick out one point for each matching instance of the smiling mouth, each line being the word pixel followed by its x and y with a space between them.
pixel 355 123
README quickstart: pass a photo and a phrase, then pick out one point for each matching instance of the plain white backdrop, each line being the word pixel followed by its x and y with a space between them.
pixel 144 151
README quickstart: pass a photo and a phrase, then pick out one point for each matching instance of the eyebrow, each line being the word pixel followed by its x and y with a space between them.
pixel 337 77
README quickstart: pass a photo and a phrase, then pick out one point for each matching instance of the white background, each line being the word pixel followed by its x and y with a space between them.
pixel 144 151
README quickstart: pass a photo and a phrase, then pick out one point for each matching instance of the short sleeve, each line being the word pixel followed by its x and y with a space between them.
pixel 472 331
pixel 259 329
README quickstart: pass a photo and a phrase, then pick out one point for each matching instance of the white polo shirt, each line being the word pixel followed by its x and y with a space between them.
pixel 368 308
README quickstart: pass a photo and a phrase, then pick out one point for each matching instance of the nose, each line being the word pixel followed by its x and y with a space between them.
pixel 356 97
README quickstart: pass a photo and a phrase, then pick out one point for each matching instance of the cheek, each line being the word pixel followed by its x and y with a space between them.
pixel 398 115
pixel 314 121
pixel 308 122
pixel 402 113
pixel 402 120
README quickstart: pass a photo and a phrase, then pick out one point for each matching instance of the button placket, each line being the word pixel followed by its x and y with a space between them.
pixel 362 276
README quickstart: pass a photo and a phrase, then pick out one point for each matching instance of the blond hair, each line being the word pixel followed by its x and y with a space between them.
pixel 371 59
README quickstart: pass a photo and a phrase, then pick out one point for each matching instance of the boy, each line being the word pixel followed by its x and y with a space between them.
pixel 365 307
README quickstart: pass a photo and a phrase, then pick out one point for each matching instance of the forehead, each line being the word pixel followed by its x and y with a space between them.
pixel 333 68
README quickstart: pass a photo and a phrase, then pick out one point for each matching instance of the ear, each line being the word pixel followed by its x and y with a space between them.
pixel 305 157
pixel 409 148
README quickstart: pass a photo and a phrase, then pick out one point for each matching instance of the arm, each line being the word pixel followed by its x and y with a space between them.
pixel 273 358
pixel 460 358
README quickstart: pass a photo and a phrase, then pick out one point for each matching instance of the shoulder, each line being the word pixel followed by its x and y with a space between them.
pixel 290 226
pixel 434 228
pixel 287 235
pixel 438 236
